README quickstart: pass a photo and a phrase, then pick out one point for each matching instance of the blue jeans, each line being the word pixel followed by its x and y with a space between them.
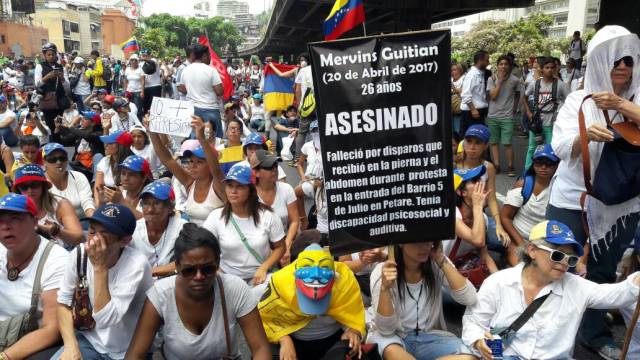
pixel 212 116
pixel 456 123
pixel 424 346
pixel 86 350
pixel 8 136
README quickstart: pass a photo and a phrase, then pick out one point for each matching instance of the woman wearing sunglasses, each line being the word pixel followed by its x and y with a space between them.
pixel 190 307
pixel 67 184
pixel 551 251
pixel 57 219
pixel 278 195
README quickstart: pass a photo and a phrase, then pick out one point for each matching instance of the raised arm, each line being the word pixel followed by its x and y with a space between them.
pixel 148 325
pixel 211 156
pixel 165 157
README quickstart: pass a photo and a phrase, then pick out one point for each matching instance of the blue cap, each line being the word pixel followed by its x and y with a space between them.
pixel 556 233
pixel 136 163
pixel 3 99
pixel 313 125
pixel 257 96
pixel 30 173
pixel 121 137
pixel 18 203
pixel 197 152
pixel 255 139
pixel 117 219
pixel 479 131
pixel 470 174
pixel 545 151
pixel 241 172
pixel 160 190
pixel 51 147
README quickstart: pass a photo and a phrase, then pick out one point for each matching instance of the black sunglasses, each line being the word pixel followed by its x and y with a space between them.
pixel 544 162
pixel 29 185
pixel 628 61
pixel 191 271
pixel 55 159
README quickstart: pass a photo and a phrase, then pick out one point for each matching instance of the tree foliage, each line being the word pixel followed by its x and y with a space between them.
pixel 165 34
pixel 525 37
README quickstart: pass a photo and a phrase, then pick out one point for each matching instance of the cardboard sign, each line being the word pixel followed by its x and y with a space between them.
pixel 172 117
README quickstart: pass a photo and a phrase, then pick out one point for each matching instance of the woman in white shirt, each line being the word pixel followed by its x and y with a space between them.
pixel 191 307
pixel 250 233
pixel 407 302
pixel 134 82
pixel 142 147
pixel 551 251
pixel 257 113
pixel 527 202
pixel 65 183
pixel 116 149
pixel 30 123
pixel 21 253
pixel 157 231
pixel 278 195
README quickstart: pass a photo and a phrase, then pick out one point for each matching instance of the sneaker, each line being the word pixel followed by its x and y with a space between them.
pixel 512 172
pixel 609 352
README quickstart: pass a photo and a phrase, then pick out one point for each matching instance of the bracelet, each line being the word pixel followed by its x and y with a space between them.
pixel 444 258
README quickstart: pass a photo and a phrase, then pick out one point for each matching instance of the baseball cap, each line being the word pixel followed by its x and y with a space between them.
pixel 256 139
pixel 30 173
pixel 264 159
pixel 121 137
pixel 145 52
pixel 78 60
pixel 257 96
pixel 556 233
pixel 109 99
pixel 468 174
pixel 228 106
pixel 51 147
pixel 120 103
pixel 197 152
pixel 190 144
pixel 545 151
pixel 91 115
pixel 313 125
pixel 117 219
pixel 134 57
pixel 136 163
pixel 102 91
pixel 3 99
pixel 18 203
pixel 479 131
pixel 241 172
pixel 160 190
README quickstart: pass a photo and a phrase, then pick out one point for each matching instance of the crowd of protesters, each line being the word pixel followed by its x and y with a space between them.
pixel 137 244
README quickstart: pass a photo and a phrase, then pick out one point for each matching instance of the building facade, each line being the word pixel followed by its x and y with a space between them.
pixel 19 39
pixel 116 28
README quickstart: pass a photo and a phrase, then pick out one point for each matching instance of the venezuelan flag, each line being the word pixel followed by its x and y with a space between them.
pixel 278 91
pixel 130 45
pixel 344 16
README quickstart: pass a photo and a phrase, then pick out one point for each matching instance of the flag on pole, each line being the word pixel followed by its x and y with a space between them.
pixel 278 91
pixel 344 16
pixel 216 62
pixel 130 45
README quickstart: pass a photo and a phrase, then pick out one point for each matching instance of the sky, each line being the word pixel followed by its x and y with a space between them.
pixel 178 7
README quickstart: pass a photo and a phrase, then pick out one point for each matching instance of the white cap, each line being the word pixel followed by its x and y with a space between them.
pixel 134 57
pixel 78 60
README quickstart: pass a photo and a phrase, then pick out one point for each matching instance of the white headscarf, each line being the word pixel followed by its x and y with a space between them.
pixel 607 46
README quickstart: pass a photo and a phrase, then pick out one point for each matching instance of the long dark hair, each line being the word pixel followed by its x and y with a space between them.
pixel 117 158
pixel 255 206
pixel 428 277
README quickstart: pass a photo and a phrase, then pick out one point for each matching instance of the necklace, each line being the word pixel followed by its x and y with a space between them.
pixel 159 244
pixel 14 271
pixel 417 301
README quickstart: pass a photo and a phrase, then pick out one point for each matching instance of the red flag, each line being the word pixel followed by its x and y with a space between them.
pixel 216 63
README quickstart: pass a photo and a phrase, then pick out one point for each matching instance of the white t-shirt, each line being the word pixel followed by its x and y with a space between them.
pixel 127 124
pixel 129 280
pixel 464 248
pixel 78 192
pixel 16 295
pixel 103 166
pixel 162 252
pixel 575 49
pixel 180 343
pixel 257 111
pixel 6 114
pixel 68 116
pixel 532 213
pixel 314 161
pixel 305 79
pixel 83 87
pixel 134 79
pixel 235 258
pixel 199 79
pixel 153 79
pixel 285 196
pixel 43 137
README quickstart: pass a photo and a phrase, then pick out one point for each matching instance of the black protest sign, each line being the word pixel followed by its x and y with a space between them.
pixel 383 108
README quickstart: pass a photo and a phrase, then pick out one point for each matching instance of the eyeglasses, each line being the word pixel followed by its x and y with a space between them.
pixel 544 162
pixel 191 271
pixel 558 256
pixel 628 61
pixel 234 129
pixel 29 185
pixel 55 159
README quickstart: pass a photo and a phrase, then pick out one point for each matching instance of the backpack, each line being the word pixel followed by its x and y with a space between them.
pixel 74 78
pixel 308 105
pixel 535 124
pixel 149 67
pixel 106 72
pixel 527 187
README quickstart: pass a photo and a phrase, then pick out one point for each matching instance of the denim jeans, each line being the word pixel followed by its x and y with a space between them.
pixel 212 116
pixel 86 350
pixel 79 100
pixel 424 346
pixel 8 136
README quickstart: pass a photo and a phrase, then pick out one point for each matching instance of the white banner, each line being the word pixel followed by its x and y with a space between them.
pixel 169 116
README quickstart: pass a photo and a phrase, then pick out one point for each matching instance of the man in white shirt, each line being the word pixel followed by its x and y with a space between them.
pixel 181 92
pixel 204 88
pixel 474 104
pixel 303 84
pixel 152 80
pixel 124 119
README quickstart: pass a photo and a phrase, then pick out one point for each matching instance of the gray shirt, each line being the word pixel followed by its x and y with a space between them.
pixel 547 114
pixel 503 105
pixel 180 343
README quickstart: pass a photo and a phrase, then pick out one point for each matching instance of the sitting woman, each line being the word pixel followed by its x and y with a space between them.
pixel 156 232
pixel 57 219
pixel 89 149
pixel 250 233
pixel 542 277
pixel 199 308
pixel 142 147
pixel 116 150
pixel 67 184
pixel 408 321
pixel 135 174
pixel 32 123
pixel 526 203
pixel 26 258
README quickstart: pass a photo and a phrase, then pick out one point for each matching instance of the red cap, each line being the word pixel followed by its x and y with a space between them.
pixel 109 99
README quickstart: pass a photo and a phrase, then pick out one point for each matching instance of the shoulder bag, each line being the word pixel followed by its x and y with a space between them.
pixel 509 333
pixel 49 99
pixel 15 327
pixel 81 304
pixel 470 265
pixel 225 317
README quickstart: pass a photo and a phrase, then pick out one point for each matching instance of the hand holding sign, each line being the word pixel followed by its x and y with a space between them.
pixel 172 117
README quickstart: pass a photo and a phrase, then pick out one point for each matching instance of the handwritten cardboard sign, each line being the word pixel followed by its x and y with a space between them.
pixel 172 117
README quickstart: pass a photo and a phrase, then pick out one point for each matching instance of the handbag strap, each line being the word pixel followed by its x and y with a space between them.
pixel 225 316
pixel 584 144
pixel 524 317
pixel 244 240
pixel 37 287
pixel 81 264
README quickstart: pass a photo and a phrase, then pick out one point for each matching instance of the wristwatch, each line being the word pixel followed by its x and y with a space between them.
pixel 3 356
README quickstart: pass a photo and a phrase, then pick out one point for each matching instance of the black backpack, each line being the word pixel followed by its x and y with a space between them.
pixel 74 78
pixel 106 72
pixel 149 67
